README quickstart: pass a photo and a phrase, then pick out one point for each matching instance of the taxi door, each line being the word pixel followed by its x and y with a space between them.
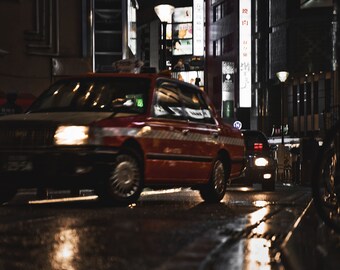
pixel 203 132
pixel 180 150
pixel 165 150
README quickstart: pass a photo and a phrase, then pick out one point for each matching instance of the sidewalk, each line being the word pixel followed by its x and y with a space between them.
pixel 311 244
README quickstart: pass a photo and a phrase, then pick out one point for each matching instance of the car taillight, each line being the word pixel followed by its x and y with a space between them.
pixel 258 146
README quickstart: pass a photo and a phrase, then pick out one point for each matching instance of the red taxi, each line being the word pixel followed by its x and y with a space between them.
pixel 116 134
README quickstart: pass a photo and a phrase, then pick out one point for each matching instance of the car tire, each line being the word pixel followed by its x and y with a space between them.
pixel 268 185
pixel 6 195
pixel 123 183
pixel 215 189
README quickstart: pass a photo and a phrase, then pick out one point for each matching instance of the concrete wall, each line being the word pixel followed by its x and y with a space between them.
pixel 32 33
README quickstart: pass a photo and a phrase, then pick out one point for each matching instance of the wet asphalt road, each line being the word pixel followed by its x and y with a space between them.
pixel 170 229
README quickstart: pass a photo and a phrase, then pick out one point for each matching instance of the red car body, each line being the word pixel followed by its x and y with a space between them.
pixel 140 135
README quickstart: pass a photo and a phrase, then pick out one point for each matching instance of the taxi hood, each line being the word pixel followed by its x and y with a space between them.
pixel 65 118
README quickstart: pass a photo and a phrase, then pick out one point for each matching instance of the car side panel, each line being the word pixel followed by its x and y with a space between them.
pixel 176 153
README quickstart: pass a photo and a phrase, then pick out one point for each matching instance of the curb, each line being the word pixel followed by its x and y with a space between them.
pixel 310 244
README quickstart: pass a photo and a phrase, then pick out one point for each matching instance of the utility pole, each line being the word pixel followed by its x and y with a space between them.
pixel 335 64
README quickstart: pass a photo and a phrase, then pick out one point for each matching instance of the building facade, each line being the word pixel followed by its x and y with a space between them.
pixel 300 42
pixel 294 36
pixel 56 38
pixel 222 55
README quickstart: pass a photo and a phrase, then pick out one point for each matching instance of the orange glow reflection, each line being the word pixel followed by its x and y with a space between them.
pixel 245 189
pixel 66 250
pixel 257 254
pixel 260 203
pixel 257 216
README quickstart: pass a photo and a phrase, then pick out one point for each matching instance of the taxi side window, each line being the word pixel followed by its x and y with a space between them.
pixel 167 103
pixel 195 107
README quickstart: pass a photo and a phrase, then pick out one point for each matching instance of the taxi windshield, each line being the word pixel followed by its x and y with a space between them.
pixel 115 94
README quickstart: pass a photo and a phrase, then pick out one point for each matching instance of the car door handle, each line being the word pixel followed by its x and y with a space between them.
pixel 215 134
pixel 185 131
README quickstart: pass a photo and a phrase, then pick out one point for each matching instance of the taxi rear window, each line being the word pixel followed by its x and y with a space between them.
pixel 118 94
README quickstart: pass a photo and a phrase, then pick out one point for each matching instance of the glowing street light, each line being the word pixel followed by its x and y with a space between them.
pixel 164 13
pixel 282 76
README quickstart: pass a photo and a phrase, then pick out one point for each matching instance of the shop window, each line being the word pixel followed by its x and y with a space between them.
pixel 223 9
pixel 217 47
pixel 217 12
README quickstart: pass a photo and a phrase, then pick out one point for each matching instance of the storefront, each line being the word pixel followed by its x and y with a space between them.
pixel 185 44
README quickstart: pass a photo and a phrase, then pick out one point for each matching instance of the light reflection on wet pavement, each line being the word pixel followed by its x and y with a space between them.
pixel 167 231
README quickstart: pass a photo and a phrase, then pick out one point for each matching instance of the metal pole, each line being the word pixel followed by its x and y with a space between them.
pixel 282 114
pixel 164 46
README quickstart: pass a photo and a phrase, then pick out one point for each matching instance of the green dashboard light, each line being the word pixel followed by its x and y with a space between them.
pixel 139 102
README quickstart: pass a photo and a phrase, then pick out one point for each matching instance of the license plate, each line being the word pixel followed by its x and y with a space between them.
pixel 18 163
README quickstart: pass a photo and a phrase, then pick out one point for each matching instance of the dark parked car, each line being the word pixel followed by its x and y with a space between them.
pixel 116 134
pixel 261 166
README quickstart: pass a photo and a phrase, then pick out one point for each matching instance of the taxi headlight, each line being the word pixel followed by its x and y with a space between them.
pixel 71 135
pixel 261 162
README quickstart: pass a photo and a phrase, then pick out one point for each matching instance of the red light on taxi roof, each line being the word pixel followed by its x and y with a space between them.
pixel 258 146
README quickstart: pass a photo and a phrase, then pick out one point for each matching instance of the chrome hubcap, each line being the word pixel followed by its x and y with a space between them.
pixel 219 177
pixel 124 179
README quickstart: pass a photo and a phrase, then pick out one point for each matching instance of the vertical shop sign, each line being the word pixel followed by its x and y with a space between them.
pixel 227 89
pixel 132 26
pixel 198 9
pixel 245 54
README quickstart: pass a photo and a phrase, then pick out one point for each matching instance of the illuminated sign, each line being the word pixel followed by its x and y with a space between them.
pixel 132 28
pixel 245 53
pixel 237 124
pixel 227 89
pixel 198 6
pixel 182 30
pixel 183 14
pixel 182 47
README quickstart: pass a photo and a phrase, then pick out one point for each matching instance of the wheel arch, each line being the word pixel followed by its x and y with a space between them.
pixel 225 157
pixel 135 147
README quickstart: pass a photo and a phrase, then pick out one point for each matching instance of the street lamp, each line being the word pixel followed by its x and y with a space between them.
pixel 282 76
pixel 164 13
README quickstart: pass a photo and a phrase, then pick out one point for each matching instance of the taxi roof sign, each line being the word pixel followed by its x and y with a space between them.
pixel 128 65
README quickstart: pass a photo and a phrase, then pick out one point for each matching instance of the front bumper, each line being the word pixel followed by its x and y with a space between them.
pixel 258 174
pixel 55 167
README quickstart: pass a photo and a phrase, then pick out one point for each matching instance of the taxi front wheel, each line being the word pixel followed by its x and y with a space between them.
pixel 123 184
pixel 214 190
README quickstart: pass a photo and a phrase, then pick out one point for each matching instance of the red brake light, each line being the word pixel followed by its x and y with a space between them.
pixel 258 146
